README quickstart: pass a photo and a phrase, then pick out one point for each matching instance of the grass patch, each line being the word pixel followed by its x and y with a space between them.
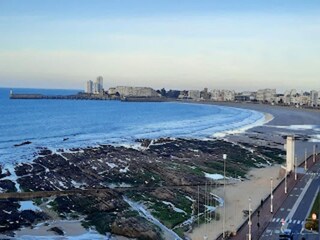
pixel 167 215
pixel 310 223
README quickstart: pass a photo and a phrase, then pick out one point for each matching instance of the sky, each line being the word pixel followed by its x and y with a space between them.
pixel 175 44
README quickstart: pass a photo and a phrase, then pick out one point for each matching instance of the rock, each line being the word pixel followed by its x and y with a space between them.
pixel 163 194
pixel 145 142
pixel 56 230
pixel 28 217
pixel 2 175
pixel 22 144
pixel 45 152
pixel 8 185
pixel 135 227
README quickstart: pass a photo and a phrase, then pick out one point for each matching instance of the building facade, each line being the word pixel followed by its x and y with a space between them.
pixel 89 87
pixel 98 85
pixel 314 98
pixel 125 91
pixel 266 95
pixel 194 94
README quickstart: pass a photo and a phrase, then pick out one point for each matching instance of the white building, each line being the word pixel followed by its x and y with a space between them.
pixel 194 94
pixel 228 95
pixel 314 98
pixel 89 87
pixel 98 85
pixel 222 95
pixel 216 95
pixel 266 95
pixel 125 91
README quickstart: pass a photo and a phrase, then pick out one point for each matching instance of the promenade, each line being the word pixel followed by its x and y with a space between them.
pixel 262 216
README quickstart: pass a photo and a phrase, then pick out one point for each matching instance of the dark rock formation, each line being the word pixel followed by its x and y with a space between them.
pixel 7 186
pixel 135 227
pixel 22 144
pixel 57 231
pixel 166 162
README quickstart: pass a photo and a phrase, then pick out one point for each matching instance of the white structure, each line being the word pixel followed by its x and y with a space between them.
pixel 228 95
pixel 222 95
pixel 89 87
pixel 194 94
pixel 290 153
pixel 134 91
pixel 98 85
pixel 216 95
pixel 314 98
pixel 266 95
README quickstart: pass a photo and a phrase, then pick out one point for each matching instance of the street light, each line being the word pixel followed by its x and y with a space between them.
pixel 271 197
pixel 224 156
pixel 314 153
pixel 286 182
pixel 249 223
pixel 305 159
pixel 295 169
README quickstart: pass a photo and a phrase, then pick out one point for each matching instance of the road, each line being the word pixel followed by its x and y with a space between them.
pixel 266 225
pixel 295 208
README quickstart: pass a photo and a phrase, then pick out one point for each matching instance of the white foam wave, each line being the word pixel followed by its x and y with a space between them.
pixel 315 138
pixel 297 127
pixel 212 121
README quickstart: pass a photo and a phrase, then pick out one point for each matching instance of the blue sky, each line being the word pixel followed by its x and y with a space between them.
pixel 169 43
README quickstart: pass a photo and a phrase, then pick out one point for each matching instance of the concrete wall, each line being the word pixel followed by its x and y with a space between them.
pixel 290 153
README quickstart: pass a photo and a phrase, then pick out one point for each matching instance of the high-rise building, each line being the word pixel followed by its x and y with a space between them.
pixel 89 87
pixel 314 98
pixel 98 85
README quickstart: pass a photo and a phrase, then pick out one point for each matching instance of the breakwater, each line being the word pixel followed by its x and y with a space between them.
pixel 83 96
pixel 65 97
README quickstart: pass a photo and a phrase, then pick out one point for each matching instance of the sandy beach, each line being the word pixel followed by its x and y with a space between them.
pixel 237 200
pixel 279 122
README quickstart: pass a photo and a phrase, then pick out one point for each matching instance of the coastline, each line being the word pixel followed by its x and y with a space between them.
pixel 256 174
pixel 300 122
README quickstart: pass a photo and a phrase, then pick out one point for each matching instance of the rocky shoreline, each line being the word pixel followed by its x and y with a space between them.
pixel 156 166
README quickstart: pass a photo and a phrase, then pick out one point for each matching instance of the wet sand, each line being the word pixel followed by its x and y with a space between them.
pixel 303 123
pixel 71 229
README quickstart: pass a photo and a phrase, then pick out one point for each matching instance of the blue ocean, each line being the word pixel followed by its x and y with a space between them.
pixel 65 124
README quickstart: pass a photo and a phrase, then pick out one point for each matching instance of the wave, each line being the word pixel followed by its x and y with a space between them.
pixel 118 123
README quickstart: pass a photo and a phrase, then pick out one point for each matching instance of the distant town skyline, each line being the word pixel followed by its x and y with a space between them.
pixel 172 44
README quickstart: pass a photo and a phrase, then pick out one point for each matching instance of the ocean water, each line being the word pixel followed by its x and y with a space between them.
pixel 57 124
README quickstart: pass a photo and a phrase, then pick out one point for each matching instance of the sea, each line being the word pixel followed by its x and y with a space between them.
pixel 67 124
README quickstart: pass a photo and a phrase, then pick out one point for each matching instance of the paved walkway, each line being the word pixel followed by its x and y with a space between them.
pixel 262 214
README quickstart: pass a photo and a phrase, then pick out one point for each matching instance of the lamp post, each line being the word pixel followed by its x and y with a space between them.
pixel 314 153
pixel 295 169
pixel 286 182
pixel 224 195
pixel 198 205
pixel 271 196
pixel 305 159
pixel 249 223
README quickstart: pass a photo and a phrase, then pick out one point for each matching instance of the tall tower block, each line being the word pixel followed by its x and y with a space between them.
pixel 290 153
